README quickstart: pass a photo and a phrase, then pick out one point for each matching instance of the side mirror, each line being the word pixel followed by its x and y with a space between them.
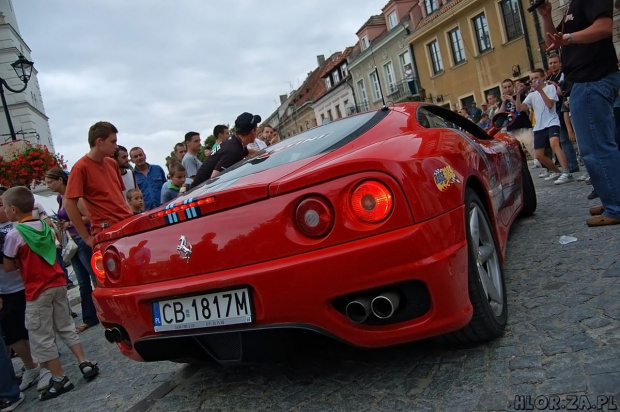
pixel 500 120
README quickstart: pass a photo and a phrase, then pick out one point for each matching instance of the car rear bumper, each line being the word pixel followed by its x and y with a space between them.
pixel 300 290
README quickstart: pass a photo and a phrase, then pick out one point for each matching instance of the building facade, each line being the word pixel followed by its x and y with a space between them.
pixel 377 64
pixel 338 100
pixel 465 48
pixel 26 108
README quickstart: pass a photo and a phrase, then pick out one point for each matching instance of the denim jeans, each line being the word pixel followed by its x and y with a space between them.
pixel 9 389
pixel 84 274
pixel 591 108
pixel 61 263
pixel 569 150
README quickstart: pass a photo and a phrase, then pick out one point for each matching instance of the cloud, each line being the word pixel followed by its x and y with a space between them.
pixel 157 69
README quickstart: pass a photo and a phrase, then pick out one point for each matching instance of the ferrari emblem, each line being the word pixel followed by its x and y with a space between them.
pixel 185 248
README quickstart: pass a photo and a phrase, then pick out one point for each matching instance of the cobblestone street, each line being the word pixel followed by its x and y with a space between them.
pixel 563 338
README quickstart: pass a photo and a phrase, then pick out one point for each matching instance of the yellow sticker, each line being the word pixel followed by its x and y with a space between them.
pixel 444 177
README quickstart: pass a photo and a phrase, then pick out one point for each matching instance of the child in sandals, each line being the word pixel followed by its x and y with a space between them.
pixel 30 247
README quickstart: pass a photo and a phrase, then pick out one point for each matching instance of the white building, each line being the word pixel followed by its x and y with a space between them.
pixel 26 108
pixel 338 100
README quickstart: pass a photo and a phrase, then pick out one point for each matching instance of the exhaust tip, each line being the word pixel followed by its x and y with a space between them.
pixel 358 310
pixel 384 305
pixel 108 335
pixel 117 335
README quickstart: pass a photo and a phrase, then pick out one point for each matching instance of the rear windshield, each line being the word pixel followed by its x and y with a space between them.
pixel 310 143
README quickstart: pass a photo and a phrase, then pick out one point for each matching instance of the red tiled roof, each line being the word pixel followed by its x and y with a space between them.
pixel 445 8
pixel 335 60
pixel 376 20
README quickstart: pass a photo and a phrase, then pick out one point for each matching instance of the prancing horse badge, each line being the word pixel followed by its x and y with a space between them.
pixel 185 248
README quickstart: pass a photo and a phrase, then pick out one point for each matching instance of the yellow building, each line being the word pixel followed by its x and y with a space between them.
pixel 465 48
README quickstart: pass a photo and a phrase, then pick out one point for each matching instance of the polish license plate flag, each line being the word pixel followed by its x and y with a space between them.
pixel 202 311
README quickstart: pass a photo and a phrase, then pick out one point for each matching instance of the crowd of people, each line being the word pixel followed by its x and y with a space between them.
pixel 102 189
pixel 575 101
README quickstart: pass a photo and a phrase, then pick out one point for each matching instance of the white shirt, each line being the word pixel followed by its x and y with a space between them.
pixel 257 145
pixel 545 116
pixel 10 282
pixel 128 180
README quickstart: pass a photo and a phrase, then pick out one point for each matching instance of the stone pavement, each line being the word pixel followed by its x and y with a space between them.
pixel 563 338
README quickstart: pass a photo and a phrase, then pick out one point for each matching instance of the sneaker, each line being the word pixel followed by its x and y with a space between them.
pixel 8 406
pixel 564 178
pixel 535 165
pixel 29 377
pixel 544 173
pixel 553 176
pixel 44 379
pixel 583 177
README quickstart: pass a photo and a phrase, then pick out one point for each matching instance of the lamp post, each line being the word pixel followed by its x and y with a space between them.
pixel 23 68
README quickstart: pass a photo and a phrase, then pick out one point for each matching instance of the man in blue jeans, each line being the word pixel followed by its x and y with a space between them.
pixel 589 61
pixel 10 396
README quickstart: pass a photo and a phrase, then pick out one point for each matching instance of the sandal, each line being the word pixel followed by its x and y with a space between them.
pixel 55 389
pixel 82 327
pixel 91 372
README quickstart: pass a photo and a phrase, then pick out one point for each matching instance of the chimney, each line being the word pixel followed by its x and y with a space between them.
pixel 320 60
pixel 283 98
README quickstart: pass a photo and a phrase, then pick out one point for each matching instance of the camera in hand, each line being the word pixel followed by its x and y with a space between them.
pixel 535 5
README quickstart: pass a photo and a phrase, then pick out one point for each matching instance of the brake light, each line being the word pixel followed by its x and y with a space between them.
pixel 314 216
pixel 112 263
pixel 181 208
pixel 371 201
pixel 96 261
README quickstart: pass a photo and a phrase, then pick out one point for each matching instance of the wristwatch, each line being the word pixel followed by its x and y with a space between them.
pixel 568 38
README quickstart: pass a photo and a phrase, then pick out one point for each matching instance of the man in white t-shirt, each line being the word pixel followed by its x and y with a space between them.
pixel 547 128
pixel 122 159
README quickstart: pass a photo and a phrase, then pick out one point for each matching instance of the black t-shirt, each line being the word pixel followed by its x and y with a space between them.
pixel 587 62
pixel 230 152
pixel 523 119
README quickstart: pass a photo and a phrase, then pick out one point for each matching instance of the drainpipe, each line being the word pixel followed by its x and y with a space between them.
pixel 526 34
pixel 350 78
pixel 541 39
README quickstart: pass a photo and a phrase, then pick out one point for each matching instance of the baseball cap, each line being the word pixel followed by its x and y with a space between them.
pixel 246 122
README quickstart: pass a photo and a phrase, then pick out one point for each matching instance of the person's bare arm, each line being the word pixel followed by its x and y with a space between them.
pixel 71 206
pixel 10 264
pixel 83 211
pixel 548 102
pixel 569 127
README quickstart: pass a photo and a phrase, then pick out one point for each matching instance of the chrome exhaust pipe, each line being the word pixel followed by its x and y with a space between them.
pixel 117 335
pixel 384 305
pixel 358 310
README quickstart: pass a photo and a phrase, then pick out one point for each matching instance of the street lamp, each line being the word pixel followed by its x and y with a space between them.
pixel 23 68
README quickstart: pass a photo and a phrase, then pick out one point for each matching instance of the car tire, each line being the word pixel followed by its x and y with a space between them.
pixel 529 191
pixel 487 290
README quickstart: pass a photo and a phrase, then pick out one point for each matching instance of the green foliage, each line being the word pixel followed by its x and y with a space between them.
pixel 207 145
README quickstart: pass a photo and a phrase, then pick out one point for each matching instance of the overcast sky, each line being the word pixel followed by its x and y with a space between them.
pixel 157 69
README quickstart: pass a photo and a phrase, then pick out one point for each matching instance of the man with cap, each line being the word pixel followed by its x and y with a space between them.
pixel 231 150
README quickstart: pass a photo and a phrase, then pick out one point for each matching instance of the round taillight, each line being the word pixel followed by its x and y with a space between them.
pixel 371 201
pixel 314 217
pixel 112 263
pixel 96 261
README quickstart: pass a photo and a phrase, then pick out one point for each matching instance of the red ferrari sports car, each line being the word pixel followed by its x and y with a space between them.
pixel 377 229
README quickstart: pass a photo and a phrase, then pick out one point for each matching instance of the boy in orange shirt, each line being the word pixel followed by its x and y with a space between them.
pixel 97 179
pixel 30 247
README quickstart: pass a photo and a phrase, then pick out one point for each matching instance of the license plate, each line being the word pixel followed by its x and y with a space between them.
pixel 202 311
